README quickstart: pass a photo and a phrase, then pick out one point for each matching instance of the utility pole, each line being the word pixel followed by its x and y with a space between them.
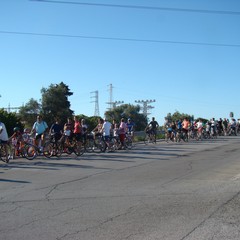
pixel 96 111
pixel 145 106
pixel 111 103
pixel 117 103
pixel 11 109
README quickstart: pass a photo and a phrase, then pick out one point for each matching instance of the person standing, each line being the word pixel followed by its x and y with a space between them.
pixel 77 129
pixel 122 133
pixel 106 129
pixel 84 130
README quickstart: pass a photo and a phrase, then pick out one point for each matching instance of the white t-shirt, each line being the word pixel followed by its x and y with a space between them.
pixel 106 128
pixel 3 134
pixel 199 124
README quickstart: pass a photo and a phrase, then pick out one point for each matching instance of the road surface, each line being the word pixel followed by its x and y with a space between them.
pixel 167 191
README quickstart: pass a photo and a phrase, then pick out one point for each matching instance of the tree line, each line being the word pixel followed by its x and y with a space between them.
pixel 54 103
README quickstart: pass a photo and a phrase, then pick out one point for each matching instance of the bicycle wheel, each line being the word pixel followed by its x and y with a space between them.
pixel 48 149
pixel 58 149
pixel 30 151
pixel 147 139
pixel 78 149
pixel 111 146
pixel 99 145
pixel 89 145
pixel 129 143
pixel 3 153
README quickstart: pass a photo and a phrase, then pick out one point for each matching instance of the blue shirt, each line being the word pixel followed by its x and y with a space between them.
pixel 40 127
pixel 130 126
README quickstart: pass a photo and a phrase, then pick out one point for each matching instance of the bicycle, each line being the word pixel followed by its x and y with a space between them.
pixel 52 147
pixel 5 150
pixel 170 135
pixel 128 141
pixel 95 143
pixel 70 146
pixel 150 137
pixel 181 136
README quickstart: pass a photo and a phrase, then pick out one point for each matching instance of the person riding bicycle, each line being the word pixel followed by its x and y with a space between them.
pixel 233 126
pixel 4 139
pixel 40 128
pixel 56 130
pixel 84 130
pixel 130 128
pixel 77 130
pixel 213 127
pixel 122 133
pixel 185 127
pixel 16 140
pixel 98 129
pixel 152 127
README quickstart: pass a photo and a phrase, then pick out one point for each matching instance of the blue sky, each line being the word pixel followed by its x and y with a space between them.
pixel 188 61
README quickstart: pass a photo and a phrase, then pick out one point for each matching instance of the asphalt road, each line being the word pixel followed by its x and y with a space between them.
pixel 188 191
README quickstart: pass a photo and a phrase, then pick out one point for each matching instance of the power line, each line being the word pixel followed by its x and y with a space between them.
pixel 120 39
pixel 141 7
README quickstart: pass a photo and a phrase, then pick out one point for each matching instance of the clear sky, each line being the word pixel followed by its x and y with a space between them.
pixel 183 54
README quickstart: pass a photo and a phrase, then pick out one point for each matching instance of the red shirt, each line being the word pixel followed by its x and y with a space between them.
pixel 77 127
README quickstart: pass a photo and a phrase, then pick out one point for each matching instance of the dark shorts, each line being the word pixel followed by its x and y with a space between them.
pixel 78 136
pixel 106 138
pixel 39 136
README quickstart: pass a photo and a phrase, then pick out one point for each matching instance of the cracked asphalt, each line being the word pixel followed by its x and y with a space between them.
pixel 165 191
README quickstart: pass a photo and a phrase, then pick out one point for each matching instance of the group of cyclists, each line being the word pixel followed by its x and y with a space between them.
pixel 73 131
pixel 177 130
pixel 76 130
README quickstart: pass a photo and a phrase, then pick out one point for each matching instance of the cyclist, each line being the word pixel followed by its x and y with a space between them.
pixel 225 126
pixel 185 127
pixel 199 126
pixel 220 126
pixel 84 130
pixel 122 133
pixel 233 125
pixel 98 129
pixel 77 131
pixel 213 127
pixel 174 130
pixel 152 126
pixel 40 128
pixel 130 128
pixel 4 140
pixel 106 128
pixel 56 130
pixel 16 140
pixel 67 131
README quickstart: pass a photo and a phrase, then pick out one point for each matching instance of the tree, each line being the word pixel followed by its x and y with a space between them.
pixel 55 102
pixel 177 115
pixel 10 120
pixel 128 111
pixel 29 112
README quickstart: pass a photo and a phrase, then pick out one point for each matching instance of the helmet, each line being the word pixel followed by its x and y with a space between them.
pixel 16 129
pixel 26 130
